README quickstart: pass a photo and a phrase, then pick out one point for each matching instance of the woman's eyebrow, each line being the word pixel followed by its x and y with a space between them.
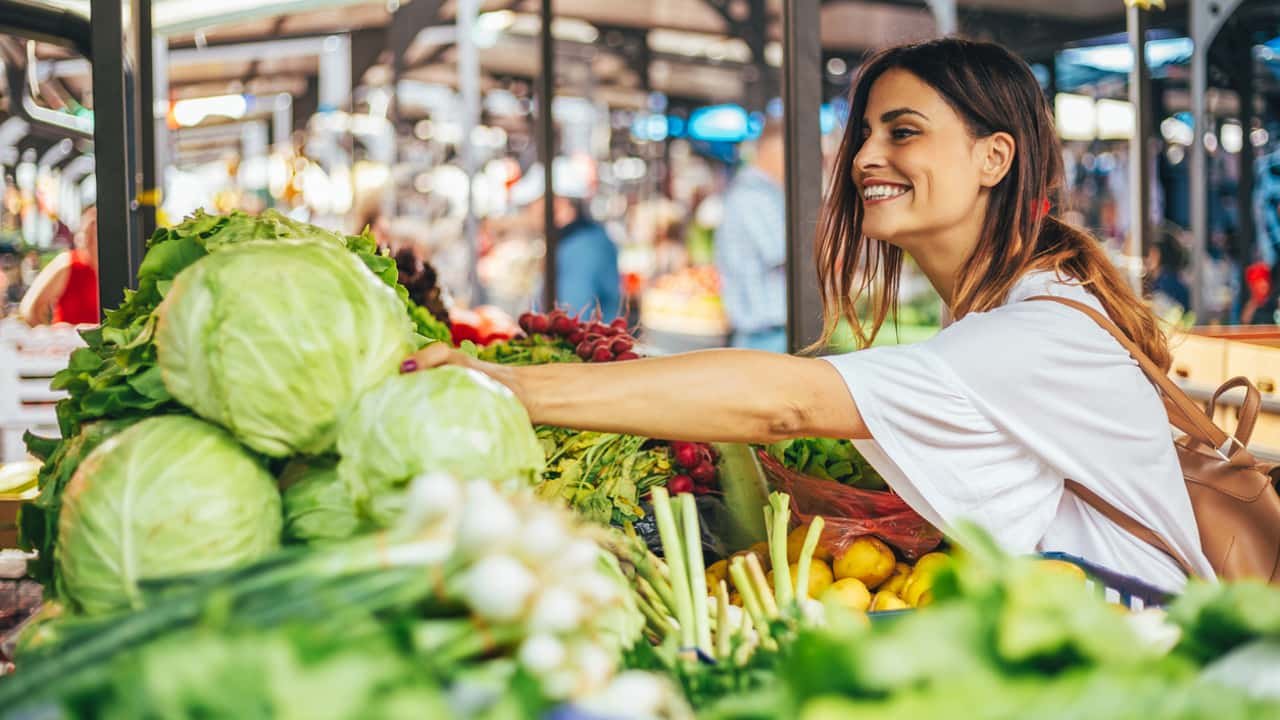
pixel 899 112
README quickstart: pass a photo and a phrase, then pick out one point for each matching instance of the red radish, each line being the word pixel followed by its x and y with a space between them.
pixel 585 349
pixel 576 337
pixel 685 454
pixel 620 323
pixel 703 473
pixel 599 328
pixel 539 323
pixel 563 325
pixel 626 356
pixel 680 484
pixel 619 345
pixel 594 337
pixel 525 321
pixel 601 354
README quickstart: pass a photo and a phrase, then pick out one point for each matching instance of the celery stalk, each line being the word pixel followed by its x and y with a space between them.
pixel 806 557
pixel 697 572
pixel 673 550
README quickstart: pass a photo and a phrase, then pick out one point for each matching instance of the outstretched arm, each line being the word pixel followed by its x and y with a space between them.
pixel 37 305
pixel 712 395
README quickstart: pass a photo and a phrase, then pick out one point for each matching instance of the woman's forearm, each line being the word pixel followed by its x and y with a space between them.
pixel 713 395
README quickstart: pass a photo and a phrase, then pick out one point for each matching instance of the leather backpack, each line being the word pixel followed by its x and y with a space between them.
pixel 1236 504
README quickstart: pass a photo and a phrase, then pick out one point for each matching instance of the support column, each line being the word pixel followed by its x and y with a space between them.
pixel 469 89
pixel 119 242
pixel 546 89
pixel 1246 87
pixel 945 16
pixel 148 197
pixel 159 108
pixel 802 100
pixel 1207 19
pixel 1139 237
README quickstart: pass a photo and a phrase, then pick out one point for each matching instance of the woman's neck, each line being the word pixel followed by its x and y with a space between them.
pixel 941 255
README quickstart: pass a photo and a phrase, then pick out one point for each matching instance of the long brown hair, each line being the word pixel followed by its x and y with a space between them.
pixel 993 91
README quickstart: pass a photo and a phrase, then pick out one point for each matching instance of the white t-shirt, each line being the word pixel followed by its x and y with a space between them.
pixel 984 421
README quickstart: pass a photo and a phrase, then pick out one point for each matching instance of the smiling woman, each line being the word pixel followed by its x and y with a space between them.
pixel 949 156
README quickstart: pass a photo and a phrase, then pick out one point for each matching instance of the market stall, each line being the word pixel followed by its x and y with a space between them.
pixel 253 512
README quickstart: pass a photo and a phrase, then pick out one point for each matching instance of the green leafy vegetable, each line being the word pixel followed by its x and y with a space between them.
pixel 276 340
pixel 169 496
pixel 828 459
pixel 317 505
pixel 1218 617
pixel 602 475
pixel 449 419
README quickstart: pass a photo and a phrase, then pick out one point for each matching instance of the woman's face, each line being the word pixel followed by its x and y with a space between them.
pixel 919 171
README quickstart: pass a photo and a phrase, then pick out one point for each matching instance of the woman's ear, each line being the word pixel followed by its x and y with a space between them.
pixel 998 158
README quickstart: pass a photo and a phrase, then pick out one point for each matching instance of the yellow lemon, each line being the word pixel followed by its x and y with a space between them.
pixel 887 601
pixel 867 559
pixel 849 592
pixel 761 551
pixel 1062 567
pixel 898 579
pixel 922 575
pixel 717 571
pixel 795 543
pixel 820 577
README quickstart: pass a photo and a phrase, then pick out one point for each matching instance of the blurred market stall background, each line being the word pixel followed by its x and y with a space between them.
pixel 354 114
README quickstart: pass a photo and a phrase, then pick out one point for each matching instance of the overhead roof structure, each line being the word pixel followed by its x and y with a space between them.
pixel 696 49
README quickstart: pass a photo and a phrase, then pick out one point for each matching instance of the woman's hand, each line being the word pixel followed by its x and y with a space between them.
pixel 438 354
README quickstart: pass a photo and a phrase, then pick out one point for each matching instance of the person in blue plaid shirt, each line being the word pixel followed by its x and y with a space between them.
pixel 751 249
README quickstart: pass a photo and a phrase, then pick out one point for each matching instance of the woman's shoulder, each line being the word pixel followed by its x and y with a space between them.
pixel 1024 333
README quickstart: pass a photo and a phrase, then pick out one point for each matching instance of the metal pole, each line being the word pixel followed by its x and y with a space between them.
pixel 945 16
pixel 469 89
pixel 112 145
pixel 1139 237
pixel 1207 19
pixel 546 151
pixel 802 149
pixel 158 109
pixel 148 198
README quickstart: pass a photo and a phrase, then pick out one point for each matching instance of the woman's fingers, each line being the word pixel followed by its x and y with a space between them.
pixel 433 355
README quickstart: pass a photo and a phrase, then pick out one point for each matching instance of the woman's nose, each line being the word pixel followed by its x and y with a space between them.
pixel 868 157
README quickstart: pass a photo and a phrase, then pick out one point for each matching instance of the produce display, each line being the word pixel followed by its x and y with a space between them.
pixel 253 514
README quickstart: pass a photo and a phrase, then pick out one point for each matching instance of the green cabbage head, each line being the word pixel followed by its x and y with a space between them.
pixel 172 495
pixel 275 341
pixel 317 505
pixel 449 419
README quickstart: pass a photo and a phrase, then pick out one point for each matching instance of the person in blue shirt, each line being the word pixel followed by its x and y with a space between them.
pixel 587 276
pixel 751 249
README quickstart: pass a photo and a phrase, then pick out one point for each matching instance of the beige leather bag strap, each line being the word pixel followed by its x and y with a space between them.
pixel 1129 524
pixel 1184 413
pixel 1248 409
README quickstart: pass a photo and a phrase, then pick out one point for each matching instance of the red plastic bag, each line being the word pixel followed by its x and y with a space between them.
pixel 849 513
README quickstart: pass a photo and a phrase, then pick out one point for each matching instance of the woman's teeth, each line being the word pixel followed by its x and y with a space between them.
pixel 883 192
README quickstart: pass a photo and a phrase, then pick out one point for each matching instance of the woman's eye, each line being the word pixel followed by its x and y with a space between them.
pixel 902 133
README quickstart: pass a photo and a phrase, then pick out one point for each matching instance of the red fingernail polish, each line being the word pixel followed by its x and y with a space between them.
pixel 408 366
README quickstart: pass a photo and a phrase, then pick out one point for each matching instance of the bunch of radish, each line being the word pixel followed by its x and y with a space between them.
pixel 592 340
pixel 696 465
